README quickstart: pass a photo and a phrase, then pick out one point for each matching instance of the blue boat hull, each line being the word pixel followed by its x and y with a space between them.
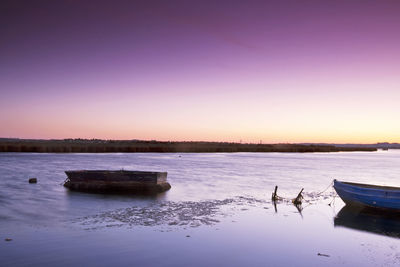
pixel 374 196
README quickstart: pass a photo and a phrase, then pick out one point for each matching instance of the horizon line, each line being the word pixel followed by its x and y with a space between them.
pixel 192 141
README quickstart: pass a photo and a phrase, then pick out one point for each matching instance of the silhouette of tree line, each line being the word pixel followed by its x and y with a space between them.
pixel 135 146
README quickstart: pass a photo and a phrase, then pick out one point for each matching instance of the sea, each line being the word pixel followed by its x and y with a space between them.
pixel 218 212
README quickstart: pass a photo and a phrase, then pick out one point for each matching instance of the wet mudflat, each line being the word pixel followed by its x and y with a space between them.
pixel 218 212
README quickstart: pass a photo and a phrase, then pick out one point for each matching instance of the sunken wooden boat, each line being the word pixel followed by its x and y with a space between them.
pixel 104 181
pixel 367 195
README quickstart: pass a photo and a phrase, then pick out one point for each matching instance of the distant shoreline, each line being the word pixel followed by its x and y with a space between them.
pixel 140 146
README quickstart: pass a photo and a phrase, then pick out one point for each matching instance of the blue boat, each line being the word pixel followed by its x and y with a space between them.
pixel 367 195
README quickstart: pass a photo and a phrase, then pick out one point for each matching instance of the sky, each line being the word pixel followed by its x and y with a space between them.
pixel 250 71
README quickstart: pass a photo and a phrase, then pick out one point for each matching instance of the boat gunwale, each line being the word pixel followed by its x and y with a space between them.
pixel 370 186
pixel 114 171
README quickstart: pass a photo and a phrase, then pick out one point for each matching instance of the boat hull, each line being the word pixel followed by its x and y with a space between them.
pixel 101 181
pixel 373 196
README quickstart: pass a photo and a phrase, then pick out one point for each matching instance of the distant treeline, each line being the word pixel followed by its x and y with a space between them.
pixel 134 146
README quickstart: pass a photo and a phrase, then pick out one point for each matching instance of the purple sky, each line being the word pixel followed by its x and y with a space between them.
pixel 277 71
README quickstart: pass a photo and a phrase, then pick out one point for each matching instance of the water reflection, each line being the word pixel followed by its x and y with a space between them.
pixel 370 220
pixel 118 195
pixel 298 207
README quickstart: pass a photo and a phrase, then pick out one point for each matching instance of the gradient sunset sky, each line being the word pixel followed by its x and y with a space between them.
pixel 276 71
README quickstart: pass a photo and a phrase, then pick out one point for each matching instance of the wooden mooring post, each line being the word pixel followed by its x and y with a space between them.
pixel 274 195
pixel 297 200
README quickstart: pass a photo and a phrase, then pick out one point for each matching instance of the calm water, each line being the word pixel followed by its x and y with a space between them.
pixel 218 212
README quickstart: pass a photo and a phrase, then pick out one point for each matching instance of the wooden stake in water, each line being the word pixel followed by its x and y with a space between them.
pixel 274 196
pixel 297 200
